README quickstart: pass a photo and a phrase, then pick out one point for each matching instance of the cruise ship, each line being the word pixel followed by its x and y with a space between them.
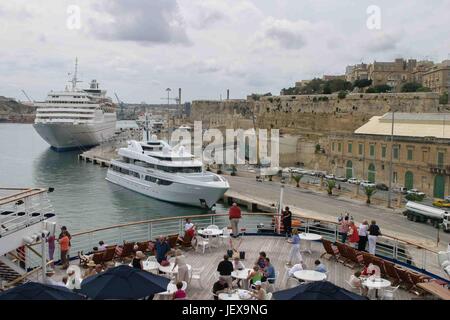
pixel 76 118
pixel 155 169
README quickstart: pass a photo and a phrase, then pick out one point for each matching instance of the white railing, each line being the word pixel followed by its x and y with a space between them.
pixel 400 251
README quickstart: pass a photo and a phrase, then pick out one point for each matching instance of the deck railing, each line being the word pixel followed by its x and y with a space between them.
pixel 402 251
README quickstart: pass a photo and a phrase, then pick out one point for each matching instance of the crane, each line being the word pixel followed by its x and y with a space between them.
pixel 121 105
pixel 27 96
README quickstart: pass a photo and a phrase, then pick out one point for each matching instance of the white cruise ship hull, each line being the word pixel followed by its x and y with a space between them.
pixel 69 136
pixel 193 195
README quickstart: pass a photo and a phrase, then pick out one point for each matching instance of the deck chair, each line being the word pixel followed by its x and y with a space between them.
pixel 98 257
pixel 380 264
pixel 143 246
pixel 330 251
pixel 186 242
pixel 391 272
pixel 343 256
pixel 405 279
pixel 109 254
pixel 367 258
pixel 172 240
pixel 417 278
pixel 127 250
pixel 355 256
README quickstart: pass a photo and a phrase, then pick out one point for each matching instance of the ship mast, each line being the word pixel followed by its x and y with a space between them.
pixel 75 79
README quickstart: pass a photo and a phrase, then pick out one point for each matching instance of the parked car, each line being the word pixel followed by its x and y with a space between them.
pixel 366 183
pixel 447 198
pixel 400 190
pixel 320 173
pixel 353 181
pixel 341 179
pixel 382 186
pixel 416 192
pixel 442 203
pixel 330 176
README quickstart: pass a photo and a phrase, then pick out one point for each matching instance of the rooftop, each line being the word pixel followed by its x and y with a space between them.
pixel 409 125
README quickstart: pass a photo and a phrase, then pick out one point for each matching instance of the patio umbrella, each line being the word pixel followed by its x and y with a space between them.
pixel 39 291
pixel 319 290
pixel 123 282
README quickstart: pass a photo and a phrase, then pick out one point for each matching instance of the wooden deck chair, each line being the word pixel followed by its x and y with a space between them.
pixel 367 258
pixel 330 251
pixel 143 246
pixel 405 279
pixel 98 257
pixel 109 254
pixel 127 250
pixel 380 264
pixel 172 240
pixel 391 272
pixel 355 256
pixel 417 278
pixel 342 253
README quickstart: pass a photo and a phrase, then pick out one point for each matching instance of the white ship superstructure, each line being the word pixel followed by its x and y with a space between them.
pixel 155 169
pixel 76 118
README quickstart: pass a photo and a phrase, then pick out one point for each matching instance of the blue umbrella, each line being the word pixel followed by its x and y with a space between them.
pixel 39 291
pixel 319 290
pixel 123 282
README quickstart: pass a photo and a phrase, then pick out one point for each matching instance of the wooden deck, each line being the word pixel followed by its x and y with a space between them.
pixel 276 248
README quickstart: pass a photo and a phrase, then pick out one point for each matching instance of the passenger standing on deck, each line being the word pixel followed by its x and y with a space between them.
pixel 183 270
pixel 51 247
pixel 374 232
pixel 287 221
pixel 235 215
pixel 64 245
pixel 295 249
pixel 353 237
pixel 343 228
pixel 362 232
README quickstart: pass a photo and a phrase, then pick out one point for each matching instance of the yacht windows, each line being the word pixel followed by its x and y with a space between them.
pixel 135 174
pixel 180 169
pixel 164 182
pixel 151 179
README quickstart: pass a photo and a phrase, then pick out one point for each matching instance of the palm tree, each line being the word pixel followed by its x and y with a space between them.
pixel 369 191
pixel 233 170
pixel 331 184
pixel 297 178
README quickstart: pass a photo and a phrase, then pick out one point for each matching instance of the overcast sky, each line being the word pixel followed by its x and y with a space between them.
pixel 139 48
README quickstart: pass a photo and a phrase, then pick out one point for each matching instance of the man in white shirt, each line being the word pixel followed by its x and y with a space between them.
pixel 295 268
pixel 188 225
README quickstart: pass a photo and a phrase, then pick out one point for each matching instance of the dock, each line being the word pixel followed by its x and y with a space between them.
pixel 94 160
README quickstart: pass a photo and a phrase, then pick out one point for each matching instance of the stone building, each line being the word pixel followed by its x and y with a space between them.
pixel 357 72
pixel 394 74
pixel 420 152
pixel 437 78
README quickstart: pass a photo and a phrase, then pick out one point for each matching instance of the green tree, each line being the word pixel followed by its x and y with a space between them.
pixel 331 184
pixel 371 90
pixel 342 94
pixel 362 83
pixel 411 87
pixel 382 88
pixel 369 191
pixel 297 178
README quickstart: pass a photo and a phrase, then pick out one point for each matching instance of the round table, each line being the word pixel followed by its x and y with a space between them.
pixel 310 275
pixel 168 269
pixel 210 233
pixel 172 287
pixel 150 265
pixel 308 237
pixel 376 283
pixel 238 294
pixel 242 275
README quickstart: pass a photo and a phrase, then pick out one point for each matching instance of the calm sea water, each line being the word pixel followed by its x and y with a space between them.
pixel 83 199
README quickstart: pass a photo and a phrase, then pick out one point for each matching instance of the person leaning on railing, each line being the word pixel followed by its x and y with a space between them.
pixel 374 232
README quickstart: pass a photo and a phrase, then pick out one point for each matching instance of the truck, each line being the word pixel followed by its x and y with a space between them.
pixel 423 213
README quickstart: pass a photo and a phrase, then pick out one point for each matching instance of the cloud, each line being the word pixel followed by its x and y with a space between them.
pixel 382 41
pixel 289 34
pixel 145 22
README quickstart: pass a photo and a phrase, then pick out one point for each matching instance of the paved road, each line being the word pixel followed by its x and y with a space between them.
pixel 316 202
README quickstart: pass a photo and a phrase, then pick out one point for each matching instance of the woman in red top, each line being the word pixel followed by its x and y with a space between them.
pixel 180 293
pixel 353 234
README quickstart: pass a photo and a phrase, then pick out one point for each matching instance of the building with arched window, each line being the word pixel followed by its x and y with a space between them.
pixel 420 152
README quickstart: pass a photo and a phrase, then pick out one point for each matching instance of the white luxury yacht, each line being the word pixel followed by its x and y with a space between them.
pixel 155 169
pixel 76 118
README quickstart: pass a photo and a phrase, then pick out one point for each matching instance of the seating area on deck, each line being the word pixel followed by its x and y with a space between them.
pixel 341 261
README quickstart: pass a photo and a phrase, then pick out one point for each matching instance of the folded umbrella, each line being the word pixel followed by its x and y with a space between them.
pixel 39 291
pixel 123 282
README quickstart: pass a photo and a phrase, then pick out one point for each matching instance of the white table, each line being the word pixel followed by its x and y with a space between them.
pixel 168 269
pixel 310 275
pixel 150 265
pixel 376 283
pixel 242 275
pixel 238 294
pixel 172 287
pixel 308 237
pixel 210 233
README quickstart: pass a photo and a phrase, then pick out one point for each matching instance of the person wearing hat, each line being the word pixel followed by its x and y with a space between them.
pixel 259 293
pixel 183 271
pixel 49 278
pixel 137 260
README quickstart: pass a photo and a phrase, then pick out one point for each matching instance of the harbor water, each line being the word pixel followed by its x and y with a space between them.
pixel 82 199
